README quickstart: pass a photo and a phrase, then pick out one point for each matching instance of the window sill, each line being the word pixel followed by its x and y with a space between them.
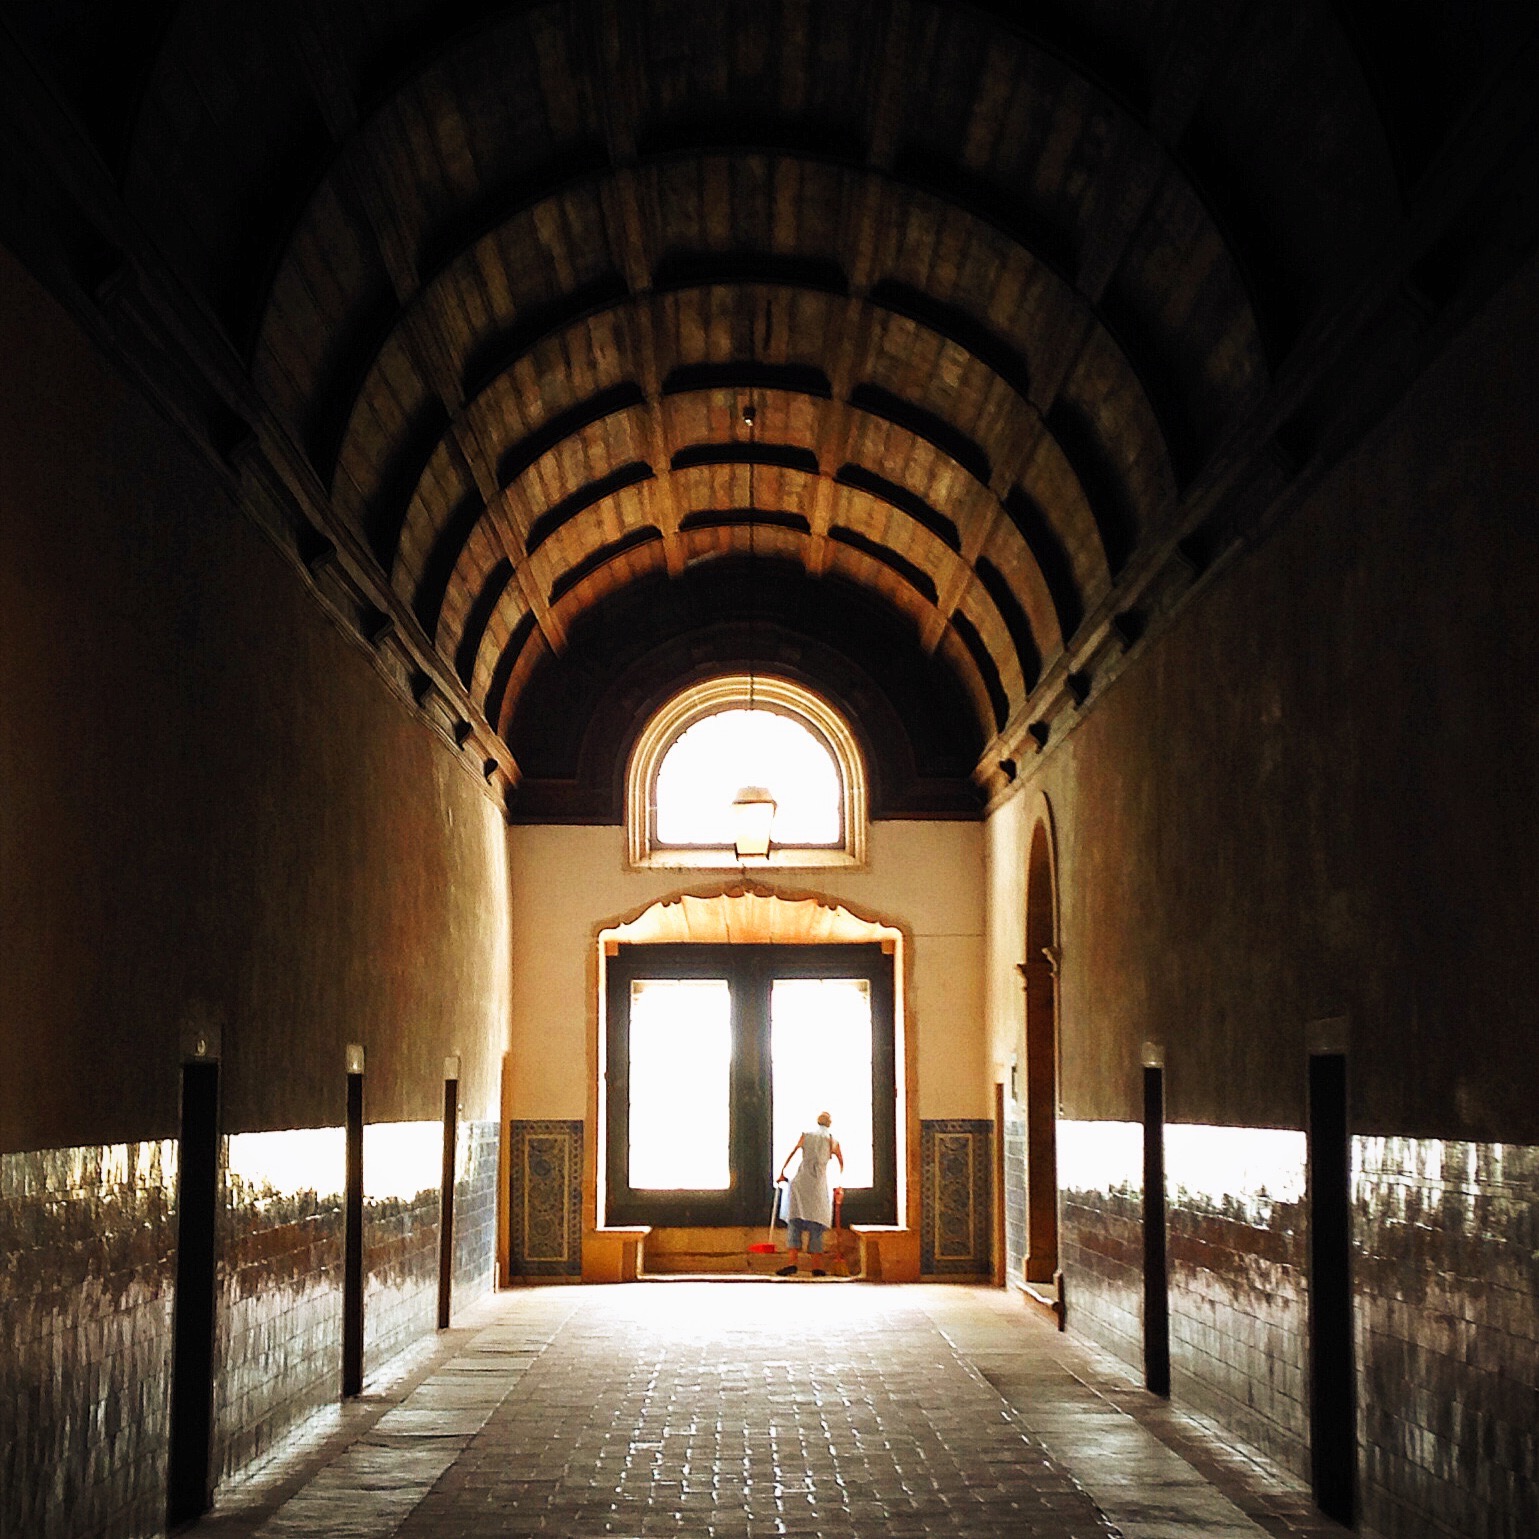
pixel 793 859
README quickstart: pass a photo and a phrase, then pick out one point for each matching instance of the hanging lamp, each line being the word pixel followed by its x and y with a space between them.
pixel 754 807
pixel 753 817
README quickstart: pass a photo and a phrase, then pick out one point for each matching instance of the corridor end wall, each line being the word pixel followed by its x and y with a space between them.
pixel 923 877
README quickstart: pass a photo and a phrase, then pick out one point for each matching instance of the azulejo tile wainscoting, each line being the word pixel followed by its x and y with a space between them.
pixel 87 1272
pixel 1445 1287
pixel 281 1285
pixel 87 1266
pixel 1446 1261
pixel 956 1197
pixel 1239 1328
pixel 279 1319
pixel 1100 1233
pixel 545 1197
pixel 400 1235
pixel 1015 1192
pixel 475 1211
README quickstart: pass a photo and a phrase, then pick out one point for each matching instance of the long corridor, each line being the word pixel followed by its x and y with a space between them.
pixel 759 1408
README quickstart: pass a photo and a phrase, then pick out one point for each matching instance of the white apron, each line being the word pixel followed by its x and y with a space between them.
pixel 809 1197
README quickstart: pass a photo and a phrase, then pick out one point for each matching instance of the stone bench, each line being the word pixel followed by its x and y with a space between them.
pixel 888 1252
pixel 614 1255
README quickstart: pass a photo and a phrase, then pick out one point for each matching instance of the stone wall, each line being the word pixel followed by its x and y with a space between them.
pixel 402 1176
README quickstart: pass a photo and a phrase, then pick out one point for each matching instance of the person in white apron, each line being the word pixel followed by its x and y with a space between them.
pixel 809 1205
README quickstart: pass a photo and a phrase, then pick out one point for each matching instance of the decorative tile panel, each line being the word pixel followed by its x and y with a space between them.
pixel 545 1198
pixel 956 1197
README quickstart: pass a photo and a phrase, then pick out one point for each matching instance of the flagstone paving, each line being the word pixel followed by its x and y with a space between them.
pixel 734 1411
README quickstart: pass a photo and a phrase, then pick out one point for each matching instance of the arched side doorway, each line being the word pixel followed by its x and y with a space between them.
pixel 1039 974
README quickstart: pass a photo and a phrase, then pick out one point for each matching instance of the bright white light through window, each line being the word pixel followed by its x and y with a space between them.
pixel 712 760
pixel 680 1062
pixel 268 1166
pixel 401 1159
pixel 820 1057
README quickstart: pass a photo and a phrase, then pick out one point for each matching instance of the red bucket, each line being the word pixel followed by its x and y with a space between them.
pixel 767 1247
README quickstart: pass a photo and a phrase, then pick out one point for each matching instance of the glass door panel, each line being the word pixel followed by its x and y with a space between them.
pixel 680 1084
pixel 718 1056
pixel 820 1060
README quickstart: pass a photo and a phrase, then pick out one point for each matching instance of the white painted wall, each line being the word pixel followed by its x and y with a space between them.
pixel 569 881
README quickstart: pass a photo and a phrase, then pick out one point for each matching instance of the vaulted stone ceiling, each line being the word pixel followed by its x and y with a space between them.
pixel 1036 312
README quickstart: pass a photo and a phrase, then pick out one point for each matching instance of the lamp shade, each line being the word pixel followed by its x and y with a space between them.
pixel 753 814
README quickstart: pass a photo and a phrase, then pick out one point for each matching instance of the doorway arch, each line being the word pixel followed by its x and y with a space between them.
pixel 1039 974
pixel 752 914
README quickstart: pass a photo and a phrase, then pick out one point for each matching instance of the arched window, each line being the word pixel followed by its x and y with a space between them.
pixel 718 754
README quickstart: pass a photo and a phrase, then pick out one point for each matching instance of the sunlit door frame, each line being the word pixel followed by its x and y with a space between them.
pixel 749 969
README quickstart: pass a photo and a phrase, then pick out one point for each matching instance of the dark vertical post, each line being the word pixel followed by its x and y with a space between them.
pixel 352 1241
pixel 1039 973
pixel 190 1490
pixel 1041 1120
pixel 752 1079
pixel 446 1200
pixel 1332 1387
pixel 1156 1267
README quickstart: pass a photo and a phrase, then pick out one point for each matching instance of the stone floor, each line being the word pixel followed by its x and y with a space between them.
pixel 756 1408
